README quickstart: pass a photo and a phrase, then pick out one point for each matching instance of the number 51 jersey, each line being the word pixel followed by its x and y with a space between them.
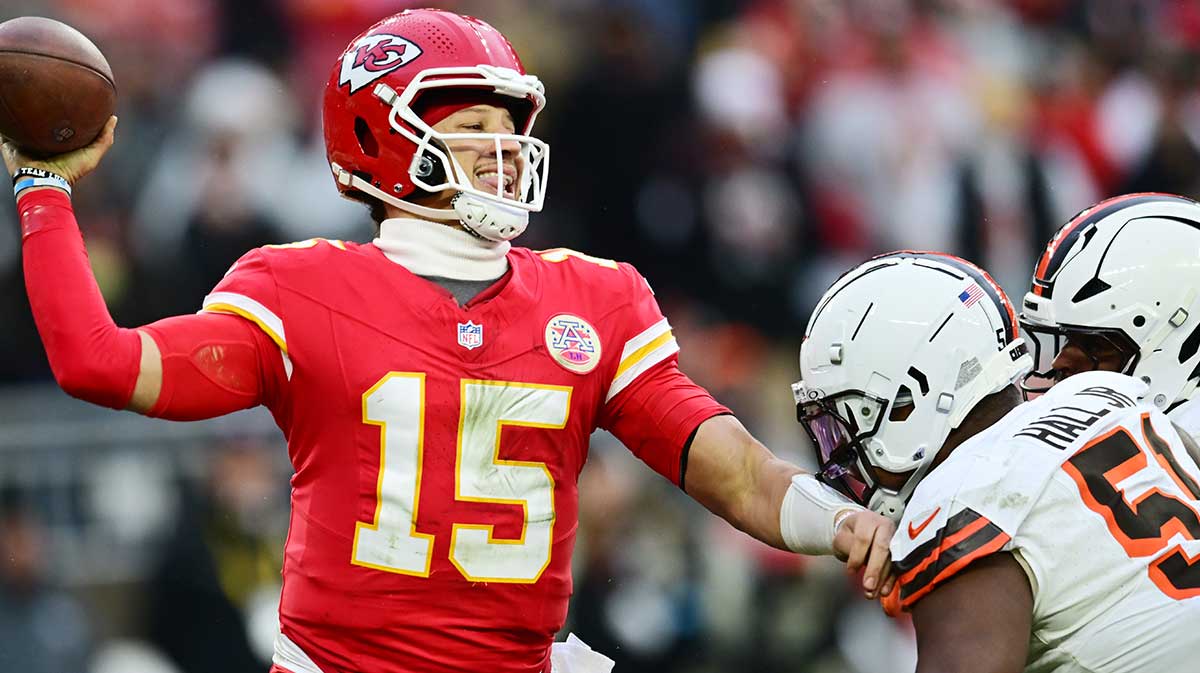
pixel 436 447
pixel 1097 499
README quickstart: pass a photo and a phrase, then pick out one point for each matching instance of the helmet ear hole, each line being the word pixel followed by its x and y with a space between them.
pixel 431 169
pixel 366 139
pixel 902 406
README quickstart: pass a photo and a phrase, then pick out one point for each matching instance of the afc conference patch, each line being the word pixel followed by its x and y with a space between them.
pixel 573 343
pixel 470 335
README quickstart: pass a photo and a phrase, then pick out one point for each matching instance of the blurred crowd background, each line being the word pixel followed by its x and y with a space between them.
pixel 741 153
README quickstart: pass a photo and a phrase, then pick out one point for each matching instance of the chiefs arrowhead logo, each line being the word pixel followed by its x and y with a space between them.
pixel 373 57
pixel 913 532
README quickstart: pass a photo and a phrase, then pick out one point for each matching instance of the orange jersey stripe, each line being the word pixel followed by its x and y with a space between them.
pixel 947 543
pixel 990 547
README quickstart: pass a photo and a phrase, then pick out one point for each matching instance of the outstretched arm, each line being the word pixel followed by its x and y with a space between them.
pixel 685 435
pixel 184 368
pixel 740 480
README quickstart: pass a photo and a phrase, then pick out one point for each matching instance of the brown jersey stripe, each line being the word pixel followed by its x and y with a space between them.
pixel 945 559
pixel 953 560
pixel 954 524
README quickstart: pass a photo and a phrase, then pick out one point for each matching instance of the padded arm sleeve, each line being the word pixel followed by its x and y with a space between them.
pixel 91 357
pixel 211 364
pixel 214 364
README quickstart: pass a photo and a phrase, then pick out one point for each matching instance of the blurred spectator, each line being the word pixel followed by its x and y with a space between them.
pixel 235 141
pixel 42 629
pixel 130 656
pixel 635 597
pixel 218 575
pixel 223 229
pixel 1170 158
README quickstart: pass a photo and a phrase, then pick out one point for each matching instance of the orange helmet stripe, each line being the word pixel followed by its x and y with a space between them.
pixel 1056 250
pixel 1007 313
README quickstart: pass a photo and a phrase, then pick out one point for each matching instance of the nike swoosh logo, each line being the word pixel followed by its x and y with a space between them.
pixel 914 532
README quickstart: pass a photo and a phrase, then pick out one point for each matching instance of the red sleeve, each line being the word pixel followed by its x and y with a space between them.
pixel 91 357
pixel 214 365
pixel 644 336
pixel 657 413
pixel 651 406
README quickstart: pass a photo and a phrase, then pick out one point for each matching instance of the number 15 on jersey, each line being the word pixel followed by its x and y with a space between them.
pixel 391 542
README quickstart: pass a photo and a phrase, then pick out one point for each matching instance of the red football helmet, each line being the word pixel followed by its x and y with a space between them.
pixel 379 145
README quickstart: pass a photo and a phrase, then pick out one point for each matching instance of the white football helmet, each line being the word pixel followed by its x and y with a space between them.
pixel 1125 272
pixel 896 354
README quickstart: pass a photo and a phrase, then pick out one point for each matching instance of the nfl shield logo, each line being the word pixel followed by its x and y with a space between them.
pixel 470 335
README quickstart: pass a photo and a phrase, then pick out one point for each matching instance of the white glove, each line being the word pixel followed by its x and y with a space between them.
pixel 574 656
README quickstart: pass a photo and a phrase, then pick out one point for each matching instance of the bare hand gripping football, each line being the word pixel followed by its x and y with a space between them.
pixel 72 165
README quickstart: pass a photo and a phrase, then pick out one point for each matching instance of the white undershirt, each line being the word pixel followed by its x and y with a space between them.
pixel 435 249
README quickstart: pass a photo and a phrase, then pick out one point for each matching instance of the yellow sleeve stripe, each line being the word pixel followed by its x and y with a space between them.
pixel 236 304
pixel 233 310
pixel 635 357
pixel 647 335
pixel 642 352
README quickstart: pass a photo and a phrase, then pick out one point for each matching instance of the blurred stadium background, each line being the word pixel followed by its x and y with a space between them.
pixel 740 152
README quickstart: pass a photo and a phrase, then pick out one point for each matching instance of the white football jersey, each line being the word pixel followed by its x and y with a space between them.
pixel 1095 496
pixel 1187 416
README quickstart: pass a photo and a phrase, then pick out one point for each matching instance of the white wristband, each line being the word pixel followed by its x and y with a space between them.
pixel 811 515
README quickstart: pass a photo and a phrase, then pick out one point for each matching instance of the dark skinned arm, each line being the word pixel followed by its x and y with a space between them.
pixel 979 621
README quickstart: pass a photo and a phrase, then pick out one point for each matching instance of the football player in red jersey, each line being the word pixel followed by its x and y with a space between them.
pixel 437 386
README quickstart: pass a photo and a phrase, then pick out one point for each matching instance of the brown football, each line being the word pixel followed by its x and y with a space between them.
pixel 56 88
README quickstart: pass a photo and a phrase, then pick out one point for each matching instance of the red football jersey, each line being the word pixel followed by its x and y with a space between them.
pixel 437 448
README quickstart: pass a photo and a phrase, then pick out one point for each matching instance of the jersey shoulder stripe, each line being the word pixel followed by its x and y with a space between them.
pixel 653 345
pixel 965 537
pixel 559 255
pixel 617 289
pixel 250 309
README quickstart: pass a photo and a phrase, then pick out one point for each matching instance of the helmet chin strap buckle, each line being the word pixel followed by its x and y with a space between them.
pixel 343 176
pixel 485 219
